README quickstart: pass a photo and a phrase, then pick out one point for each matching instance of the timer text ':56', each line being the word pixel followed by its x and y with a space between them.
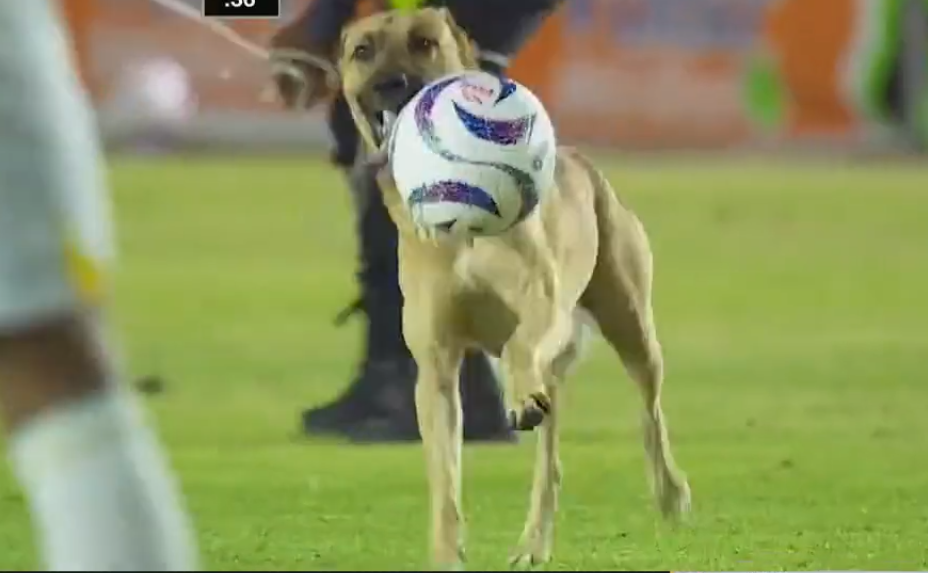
pixel 241 8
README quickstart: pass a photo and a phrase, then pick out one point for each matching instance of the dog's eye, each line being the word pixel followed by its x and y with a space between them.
pixel 422 44
pixel 362 52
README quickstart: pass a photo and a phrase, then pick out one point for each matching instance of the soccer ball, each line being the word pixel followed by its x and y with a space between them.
pixel 471 153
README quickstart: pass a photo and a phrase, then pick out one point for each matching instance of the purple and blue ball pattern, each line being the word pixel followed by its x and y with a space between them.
pixel 501 132
pixel 454 192
pixel 495 131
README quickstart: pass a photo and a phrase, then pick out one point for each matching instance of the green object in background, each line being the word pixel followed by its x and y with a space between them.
pixel 405 4
pixel 873 66
pixel 765 96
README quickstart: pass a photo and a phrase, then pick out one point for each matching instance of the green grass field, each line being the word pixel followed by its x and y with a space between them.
pixel 792 303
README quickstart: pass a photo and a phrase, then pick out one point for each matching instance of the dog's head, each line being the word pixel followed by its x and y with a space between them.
pixel 386 58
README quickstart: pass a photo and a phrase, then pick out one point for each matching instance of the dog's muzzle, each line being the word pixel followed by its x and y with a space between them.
pixel 396 91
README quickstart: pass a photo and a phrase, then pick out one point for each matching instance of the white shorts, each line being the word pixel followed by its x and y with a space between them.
pixel 55 235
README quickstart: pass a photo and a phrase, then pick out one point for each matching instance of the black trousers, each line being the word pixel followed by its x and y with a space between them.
pixel 377 242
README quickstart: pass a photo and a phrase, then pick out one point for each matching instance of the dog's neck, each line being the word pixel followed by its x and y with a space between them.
pixel 395 207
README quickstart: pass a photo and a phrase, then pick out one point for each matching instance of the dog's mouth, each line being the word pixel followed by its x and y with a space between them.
pixel 386 99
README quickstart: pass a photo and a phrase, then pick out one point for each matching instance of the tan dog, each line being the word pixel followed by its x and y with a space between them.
pixel 517 296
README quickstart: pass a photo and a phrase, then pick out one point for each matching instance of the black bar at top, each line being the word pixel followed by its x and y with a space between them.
pixel 241 8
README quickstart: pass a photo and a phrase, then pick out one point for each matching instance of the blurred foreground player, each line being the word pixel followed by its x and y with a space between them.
pixel 99 491
pixel 379 404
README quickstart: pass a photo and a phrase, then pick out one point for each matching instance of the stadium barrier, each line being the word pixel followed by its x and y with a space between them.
pixel 634 74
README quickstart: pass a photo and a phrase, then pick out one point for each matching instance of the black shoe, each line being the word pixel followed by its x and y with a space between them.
pixel 362 422
pixel 393 415
pixel 384 430
pixel 337 414
pixel 374 393
pixel 333 417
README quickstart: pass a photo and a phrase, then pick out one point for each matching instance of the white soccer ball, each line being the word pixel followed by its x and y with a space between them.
pixel 471 154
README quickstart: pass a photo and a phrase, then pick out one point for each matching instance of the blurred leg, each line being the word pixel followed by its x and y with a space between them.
pixel 98 489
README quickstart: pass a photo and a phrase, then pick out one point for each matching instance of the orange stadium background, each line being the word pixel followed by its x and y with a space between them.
pixel 621 72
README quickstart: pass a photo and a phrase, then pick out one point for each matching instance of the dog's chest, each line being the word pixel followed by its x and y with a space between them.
pixel 486 320
pixel 486 287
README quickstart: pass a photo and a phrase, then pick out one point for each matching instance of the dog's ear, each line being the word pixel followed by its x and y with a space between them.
pixel 340 47
pixel 467 51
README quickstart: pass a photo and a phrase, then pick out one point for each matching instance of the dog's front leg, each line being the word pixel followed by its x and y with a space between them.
pixel 544 328
pixel 537 538
pixel 438 407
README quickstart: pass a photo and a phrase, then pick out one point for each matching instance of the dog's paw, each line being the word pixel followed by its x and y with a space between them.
pixel 533 413
pixel 674 498
pixel 525 560
pixel 452 560
pixel 534 547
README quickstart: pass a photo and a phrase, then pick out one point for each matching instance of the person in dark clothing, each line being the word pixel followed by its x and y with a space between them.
pixel 379 403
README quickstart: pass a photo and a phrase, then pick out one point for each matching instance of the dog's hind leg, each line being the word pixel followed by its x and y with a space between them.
pixel 438 408
pixel 619 297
